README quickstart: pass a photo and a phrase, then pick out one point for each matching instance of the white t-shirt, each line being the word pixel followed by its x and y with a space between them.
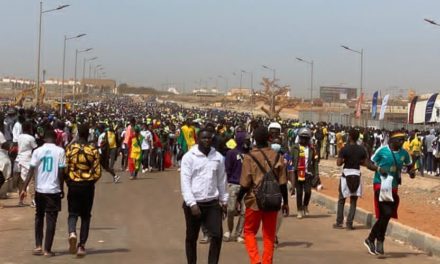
pixel 26 143
pixel 148 137
pixel 2 138
pixel 100 139
pixel 16 131
pixel 48 159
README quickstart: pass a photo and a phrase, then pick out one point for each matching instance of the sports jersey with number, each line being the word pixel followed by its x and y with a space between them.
pixel 383 158
pixel 48 159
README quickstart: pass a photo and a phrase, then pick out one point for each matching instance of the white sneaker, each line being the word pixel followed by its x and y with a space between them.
pixel 240 239
pixel 306 211
pixel 144 170
pixel 299 215
pixel 320 187
pixel 226 236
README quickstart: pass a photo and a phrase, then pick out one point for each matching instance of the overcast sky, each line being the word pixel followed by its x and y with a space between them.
pixel 153 42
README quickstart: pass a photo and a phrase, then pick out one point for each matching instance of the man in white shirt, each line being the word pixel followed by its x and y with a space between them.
pixel 17 129
pixel 47 164
pixel 203 185
pixel 26 144
pixel 147 143
pixel 5 164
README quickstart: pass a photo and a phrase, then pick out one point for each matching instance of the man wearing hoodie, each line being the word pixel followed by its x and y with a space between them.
pixel 233 165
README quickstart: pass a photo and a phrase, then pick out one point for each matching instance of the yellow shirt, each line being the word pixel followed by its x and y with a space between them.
pixel 189 134
pixel 111 137
pixel 415 145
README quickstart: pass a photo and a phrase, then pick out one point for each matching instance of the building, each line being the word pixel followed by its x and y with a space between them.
pixel 335 94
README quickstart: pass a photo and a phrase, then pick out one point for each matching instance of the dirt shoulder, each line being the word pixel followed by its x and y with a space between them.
pixel 419 198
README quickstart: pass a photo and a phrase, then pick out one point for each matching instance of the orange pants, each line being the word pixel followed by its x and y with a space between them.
pixel 252 222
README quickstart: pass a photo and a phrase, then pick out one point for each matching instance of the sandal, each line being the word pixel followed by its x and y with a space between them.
pixel 37 251
pixel 49 254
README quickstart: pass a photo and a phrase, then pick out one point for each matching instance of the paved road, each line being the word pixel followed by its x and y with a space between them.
pixel 142 222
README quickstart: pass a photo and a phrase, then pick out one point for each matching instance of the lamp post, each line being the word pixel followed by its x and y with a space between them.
pixel 64 67
pixel 361 52
pixel 311 76
pixel 97 67
pixel 226 81
pixel 76 65
pixel 241 77
pixel 269 68
pixel 39 42
pixel 84 69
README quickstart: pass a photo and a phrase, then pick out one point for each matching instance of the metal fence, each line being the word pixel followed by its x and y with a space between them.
pixel 348 119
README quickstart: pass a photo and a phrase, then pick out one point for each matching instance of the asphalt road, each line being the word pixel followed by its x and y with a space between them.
pixel 142 221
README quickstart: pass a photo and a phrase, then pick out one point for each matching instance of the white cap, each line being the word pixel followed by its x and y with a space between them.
pixel 274 125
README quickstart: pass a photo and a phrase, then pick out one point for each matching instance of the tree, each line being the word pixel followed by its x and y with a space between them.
pixel 274 96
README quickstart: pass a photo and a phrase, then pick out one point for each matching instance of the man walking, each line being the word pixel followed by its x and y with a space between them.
pixel 47 164
pixel 203 185
pixel 84 171
pixel 251 177
pixel 350 185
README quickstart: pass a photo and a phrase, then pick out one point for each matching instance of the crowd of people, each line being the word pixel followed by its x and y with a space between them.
pixel 232 165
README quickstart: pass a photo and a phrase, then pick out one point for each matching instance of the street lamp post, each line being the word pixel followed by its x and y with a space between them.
pixel 311 77
pixel 361 52
pixel 84 70
pixel 430 21
pixel 64 68
pixel 39 42
pixel 76 65
pixel 226 81
pixel 269 68
pixel 241 77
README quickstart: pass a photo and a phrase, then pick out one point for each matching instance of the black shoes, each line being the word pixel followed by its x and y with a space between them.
pixel 349 227
pixel 379 248
pixel 370 246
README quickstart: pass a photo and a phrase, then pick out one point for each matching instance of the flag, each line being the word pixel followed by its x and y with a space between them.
pixel 374 105
pixel 383 107
pixel 359 106
pixel 429 107
pixel 412 107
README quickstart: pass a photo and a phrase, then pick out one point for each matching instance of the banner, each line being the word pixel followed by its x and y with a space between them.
pixel 429 107
pixel 359 106
pixel 383 107
pixel 374 105
pixel 412 107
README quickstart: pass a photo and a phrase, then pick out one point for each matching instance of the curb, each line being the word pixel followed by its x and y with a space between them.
pixel 421 240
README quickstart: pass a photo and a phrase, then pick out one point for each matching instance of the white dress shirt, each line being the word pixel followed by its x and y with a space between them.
pixel 203 178
pixel 16 131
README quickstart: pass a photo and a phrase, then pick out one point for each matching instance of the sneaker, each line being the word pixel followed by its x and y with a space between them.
pixel 240 239
pixel 116 179
pixel 33 204
pixel 227 236
pixel 379 248
pixel 299 215
pixel 320 187
pixel 204 239
pixel 49 254
pixel 131 178
pixel 72 243
pixel 81 252
pixel 370 246
pixel 338 226
pixel 144 170
pixel 306 211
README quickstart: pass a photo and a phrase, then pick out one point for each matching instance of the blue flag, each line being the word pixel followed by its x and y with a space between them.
pixel 429 107
pixel 374 105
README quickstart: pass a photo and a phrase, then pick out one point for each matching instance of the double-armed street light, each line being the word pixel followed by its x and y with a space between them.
pixel 84 69
pixel 311 76
pixel 76 65
pixel 39 42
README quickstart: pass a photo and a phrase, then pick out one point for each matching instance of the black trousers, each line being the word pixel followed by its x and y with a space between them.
pixel 46 205
pixel 303 193
pixel 145 159
pixel 386 210
pixel 211 218
pixel 80 203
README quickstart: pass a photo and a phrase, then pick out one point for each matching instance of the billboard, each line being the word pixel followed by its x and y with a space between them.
pixel 332 94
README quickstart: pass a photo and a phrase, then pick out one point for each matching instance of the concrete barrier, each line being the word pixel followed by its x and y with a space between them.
pixel 421 240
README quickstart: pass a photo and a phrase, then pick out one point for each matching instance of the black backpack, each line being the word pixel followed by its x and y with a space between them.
pixel 268 192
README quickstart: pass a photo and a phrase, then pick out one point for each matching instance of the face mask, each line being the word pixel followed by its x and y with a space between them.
pixel 276 147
